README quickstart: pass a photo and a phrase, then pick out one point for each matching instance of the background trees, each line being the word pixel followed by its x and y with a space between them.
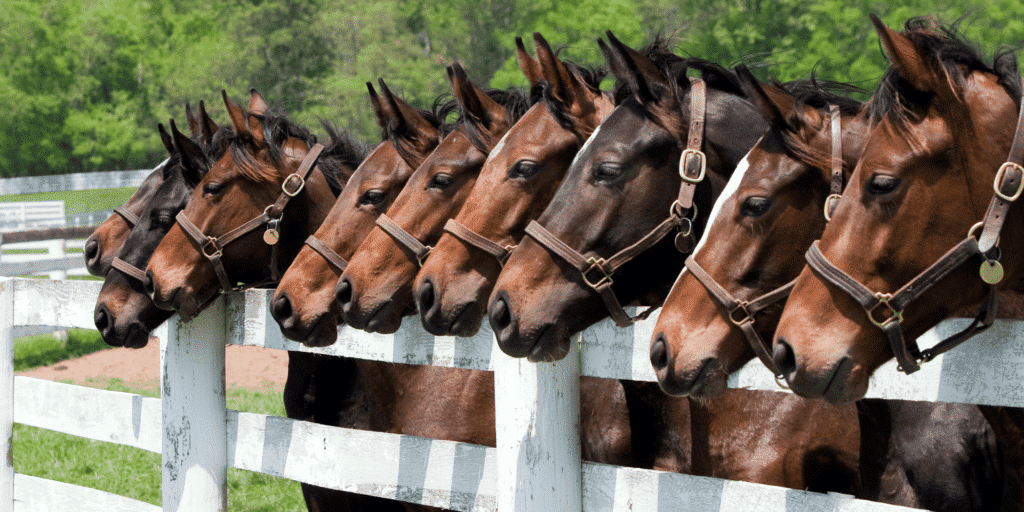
pixel 85 82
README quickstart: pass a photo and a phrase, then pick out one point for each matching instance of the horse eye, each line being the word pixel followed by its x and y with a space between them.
pixel 441 181
pixel 523 169
pixel 607 171
pixel 882 184
pixel 755 206
pixel 213 188
pixel 372 197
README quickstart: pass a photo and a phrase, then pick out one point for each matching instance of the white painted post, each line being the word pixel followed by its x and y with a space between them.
pixel 537 422
pixel 7 394
pixel 57 248
pixel 194 413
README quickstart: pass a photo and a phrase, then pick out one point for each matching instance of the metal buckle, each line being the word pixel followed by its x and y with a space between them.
pixel 883 300
pixel 1002 174
pixel 284 185
pixel 683 161
pixel 211 241
pixel 597 263
pixel 741 307
pixel 425 255
pixel 672 211
pixel 828 202
pixel 508 254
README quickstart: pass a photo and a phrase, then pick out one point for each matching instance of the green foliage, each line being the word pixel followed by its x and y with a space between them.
pixel 85 83
pixel 45 349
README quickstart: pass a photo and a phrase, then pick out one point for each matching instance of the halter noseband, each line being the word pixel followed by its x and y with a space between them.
pixel 597 272
pixel 213 247
pixel 741 312
pixel 474 239
pixel 1008 185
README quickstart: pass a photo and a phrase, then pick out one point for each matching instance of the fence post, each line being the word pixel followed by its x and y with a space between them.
pixel 7 392
pixel 57 248
pixel 537 422
pixel 194 413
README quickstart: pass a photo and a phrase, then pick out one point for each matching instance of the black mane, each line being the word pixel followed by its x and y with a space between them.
pixel 438 114
pixel 896 96
pixel 340 157
pixel 515 103
pixel 541 91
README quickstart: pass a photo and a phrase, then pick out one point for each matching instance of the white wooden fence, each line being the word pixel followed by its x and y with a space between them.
pixel 75 181
pixel 535 467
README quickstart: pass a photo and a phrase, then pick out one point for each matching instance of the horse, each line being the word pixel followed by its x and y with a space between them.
pixel 628 170
pixel 944 126
pixel 771 211
pixel 515 184
pixel 303 303
pixel 375 290
pixel 107 239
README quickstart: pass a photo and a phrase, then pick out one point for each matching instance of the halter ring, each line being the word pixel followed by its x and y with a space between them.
pixel 684 159
pixel 999 179
pixel 284 185
pixel 211 241
pixel 742 308
pixel 829 201
pixel 597 263
pixel 883 300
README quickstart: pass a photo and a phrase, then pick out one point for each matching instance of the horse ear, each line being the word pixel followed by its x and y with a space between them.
pixel 165 138
pixel 775 104
pixel 257 105
pixel 913 67
pixel 639 72
pixel 416 132
pixel 206 125
pixel 476 104
pixel 193 160
pixel 378 107
pixel 529 65
pixel 193 123
pixel 236 114
pixel 564 86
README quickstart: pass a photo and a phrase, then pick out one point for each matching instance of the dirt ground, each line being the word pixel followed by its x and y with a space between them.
pixel 245 366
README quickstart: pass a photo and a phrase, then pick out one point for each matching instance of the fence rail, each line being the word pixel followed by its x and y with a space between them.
pixel 75 181
pixel 535 463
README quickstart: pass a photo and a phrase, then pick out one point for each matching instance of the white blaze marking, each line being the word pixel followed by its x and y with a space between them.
pixel 585 146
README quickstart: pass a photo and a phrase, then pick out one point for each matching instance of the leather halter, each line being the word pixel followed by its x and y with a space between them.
pixel 213 247
pixel 597 272
pixel 1008 185
pixel 129 218
pixel 742 312
pixel 474 239
pixel 403 238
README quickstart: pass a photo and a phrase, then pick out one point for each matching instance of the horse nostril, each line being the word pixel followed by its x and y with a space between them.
pixel 281 309
pixel 425 296
pixel 343 293
pixel 784 358
pixel 102 319
pixel 660 356
pixel 148 285
pixel 92 250
pixel 500 315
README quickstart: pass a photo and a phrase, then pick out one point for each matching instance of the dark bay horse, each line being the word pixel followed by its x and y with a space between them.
pixel 304 304
pixel 515 184
pixel 625 180
pixel 106 240
pixel 375 291
pixel 945 122
pixel 935 456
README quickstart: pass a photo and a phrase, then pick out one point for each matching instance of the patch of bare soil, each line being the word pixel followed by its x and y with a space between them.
pixel 248 367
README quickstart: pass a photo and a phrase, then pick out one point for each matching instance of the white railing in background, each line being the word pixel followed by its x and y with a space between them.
pixel 22 215
pixel 75 181
pixel 535 467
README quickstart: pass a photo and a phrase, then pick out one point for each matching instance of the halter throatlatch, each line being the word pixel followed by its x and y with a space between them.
pixel 597 272
pixel 213 247
pixel 742 313
pixel 885 310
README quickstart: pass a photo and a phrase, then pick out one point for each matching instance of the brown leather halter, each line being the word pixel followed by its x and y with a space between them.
pixel 213 247
pixel 692 169
pixel 129 218
pixel 474 239
pixel 1008 185
pixel 403 238
pixel 742 312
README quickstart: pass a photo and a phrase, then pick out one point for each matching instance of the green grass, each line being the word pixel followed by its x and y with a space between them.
pixel 45 349
pixel 79 201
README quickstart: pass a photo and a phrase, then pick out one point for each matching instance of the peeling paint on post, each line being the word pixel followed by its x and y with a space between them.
pixel 194 462
pixel 7 392
pixel 537 422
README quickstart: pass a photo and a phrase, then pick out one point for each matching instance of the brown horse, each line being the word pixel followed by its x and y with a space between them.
pixel 107 239
pixel 769 214
pixel 515 184
pixel 375 290
pixel 304 304
pixel 944 127
pixel 263 185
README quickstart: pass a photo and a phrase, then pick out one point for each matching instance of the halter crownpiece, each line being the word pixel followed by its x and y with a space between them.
pixel 1008 185
pixel 597 272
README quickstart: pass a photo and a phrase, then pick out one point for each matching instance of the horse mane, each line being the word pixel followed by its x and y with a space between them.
pixel 340 157
pixel 218 146
pixel 541 91
pixel 896 97
pixel 437 115
pixel 817 94
pixel 663 58
pixel 515 103
pixel 276 130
